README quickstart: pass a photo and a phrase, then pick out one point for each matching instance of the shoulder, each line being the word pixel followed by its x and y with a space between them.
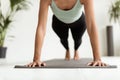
pixel 86 1
pixel 48 2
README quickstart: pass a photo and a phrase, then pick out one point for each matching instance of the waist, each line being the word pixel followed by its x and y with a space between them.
pixel 69 18
pixel 80 19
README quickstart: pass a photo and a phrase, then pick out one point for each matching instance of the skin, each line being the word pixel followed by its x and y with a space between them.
pixel 91 29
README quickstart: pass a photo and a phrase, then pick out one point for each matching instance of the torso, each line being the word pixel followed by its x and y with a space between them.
pixel 65 4
pixel 68 11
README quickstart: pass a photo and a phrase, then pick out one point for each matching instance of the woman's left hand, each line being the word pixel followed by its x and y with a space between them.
pixel 97 63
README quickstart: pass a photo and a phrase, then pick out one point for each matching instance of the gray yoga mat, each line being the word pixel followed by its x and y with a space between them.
pixel 61 63
pixel 110 44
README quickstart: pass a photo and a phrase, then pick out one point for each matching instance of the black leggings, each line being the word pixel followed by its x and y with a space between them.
pixel 77 29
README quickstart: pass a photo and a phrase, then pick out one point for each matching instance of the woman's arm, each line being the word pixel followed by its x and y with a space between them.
pixel 92 31
pixel 40 32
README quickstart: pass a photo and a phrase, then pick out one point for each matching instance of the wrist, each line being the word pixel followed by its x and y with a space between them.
pixel 36 58
pixel 97 59
pixel 96 56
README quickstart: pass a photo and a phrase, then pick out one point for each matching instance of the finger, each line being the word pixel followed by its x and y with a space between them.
pixel 39 65
pixel 43 64
pixel 90 63
pixel 34 64
pixel 99 64
pixel 29 65
pixel 95 64
pixel 104 64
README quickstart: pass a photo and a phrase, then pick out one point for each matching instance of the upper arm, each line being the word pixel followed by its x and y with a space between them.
pixel 43 12
pixel 89 13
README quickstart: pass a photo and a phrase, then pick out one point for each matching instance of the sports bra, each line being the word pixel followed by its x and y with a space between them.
pixel 67 16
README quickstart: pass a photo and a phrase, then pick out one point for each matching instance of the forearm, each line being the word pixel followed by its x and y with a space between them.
pixel 39 39
pixel 92 28
pixel 94 39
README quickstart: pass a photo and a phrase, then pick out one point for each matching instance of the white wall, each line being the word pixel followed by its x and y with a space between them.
pixel 22 46
pixel 102 18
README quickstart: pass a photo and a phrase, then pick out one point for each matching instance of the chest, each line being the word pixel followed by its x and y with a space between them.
pixel 65 4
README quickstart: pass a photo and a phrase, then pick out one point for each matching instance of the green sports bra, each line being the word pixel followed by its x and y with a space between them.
pixel 68 16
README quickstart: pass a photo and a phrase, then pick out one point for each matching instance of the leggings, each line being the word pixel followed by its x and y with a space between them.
pixel 62 29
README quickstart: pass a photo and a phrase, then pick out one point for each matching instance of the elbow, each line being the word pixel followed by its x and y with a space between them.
pixel 41 30
pixel 91 28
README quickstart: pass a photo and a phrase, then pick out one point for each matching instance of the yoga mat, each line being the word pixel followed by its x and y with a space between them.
pixel 110 43
pixel 61 63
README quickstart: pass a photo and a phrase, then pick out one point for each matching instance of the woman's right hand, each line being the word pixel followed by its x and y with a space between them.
pixel 36 63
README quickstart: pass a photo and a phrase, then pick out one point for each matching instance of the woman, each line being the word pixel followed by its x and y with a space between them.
pixel 68 15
